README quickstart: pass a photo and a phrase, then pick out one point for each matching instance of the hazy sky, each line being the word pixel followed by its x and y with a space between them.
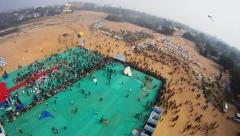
pixel 226 24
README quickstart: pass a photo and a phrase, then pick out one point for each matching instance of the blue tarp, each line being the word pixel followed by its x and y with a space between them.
pixel 19 106
pixel 45 114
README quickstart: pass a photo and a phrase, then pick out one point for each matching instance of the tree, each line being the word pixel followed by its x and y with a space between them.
pixel 211 50
pixel 114 18
pixel 166 30
pixel 235 79
pixel 226 62
pixel 188 36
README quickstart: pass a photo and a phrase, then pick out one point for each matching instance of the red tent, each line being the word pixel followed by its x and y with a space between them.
pixel 3 92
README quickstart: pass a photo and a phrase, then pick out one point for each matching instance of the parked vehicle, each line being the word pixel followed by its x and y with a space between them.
pixel 225 107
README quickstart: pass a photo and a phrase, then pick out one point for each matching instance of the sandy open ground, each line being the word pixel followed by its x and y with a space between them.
pixel 41 38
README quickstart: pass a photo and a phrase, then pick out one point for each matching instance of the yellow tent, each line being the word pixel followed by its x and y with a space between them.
pixel 80 34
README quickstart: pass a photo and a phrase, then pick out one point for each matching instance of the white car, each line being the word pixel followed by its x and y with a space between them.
pixel 199 77
pixel 225 107
pixel 237 118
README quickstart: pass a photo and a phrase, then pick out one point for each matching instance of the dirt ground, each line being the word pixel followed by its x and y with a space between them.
pixel 43 37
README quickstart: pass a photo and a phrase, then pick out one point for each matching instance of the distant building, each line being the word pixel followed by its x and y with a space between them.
pixel 21 17
pixel 35 15
pixel 67 8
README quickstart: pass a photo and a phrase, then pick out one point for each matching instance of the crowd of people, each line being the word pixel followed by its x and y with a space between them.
pixel 171 88
pixel 75 64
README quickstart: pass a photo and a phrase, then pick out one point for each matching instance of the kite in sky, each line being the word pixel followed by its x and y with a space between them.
pixel 211 18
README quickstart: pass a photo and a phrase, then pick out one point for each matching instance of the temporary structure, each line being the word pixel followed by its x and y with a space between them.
pixel 45 114
pixel 80 34
pixel 135 132
pixel 2 62
pixel 127 71
pixel 80 37
pixel 2 131
pixel 120 56
pixel 95 80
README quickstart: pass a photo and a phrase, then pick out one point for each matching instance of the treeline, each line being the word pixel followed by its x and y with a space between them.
pixel 125 15
pixel 17 17
pixel 143 21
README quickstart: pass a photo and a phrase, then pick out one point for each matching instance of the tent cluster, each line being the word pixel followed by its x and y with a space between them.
pixel 151 123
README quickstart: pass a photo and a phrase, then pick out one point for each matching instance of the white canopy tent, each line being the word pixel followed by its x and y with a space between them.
pixel 95 80
pixel 2 62
pixel 127 71
pixel 120 56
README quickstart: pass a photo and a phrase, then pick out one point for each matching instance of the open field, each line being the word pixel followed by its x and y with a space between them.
pixel 183 95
